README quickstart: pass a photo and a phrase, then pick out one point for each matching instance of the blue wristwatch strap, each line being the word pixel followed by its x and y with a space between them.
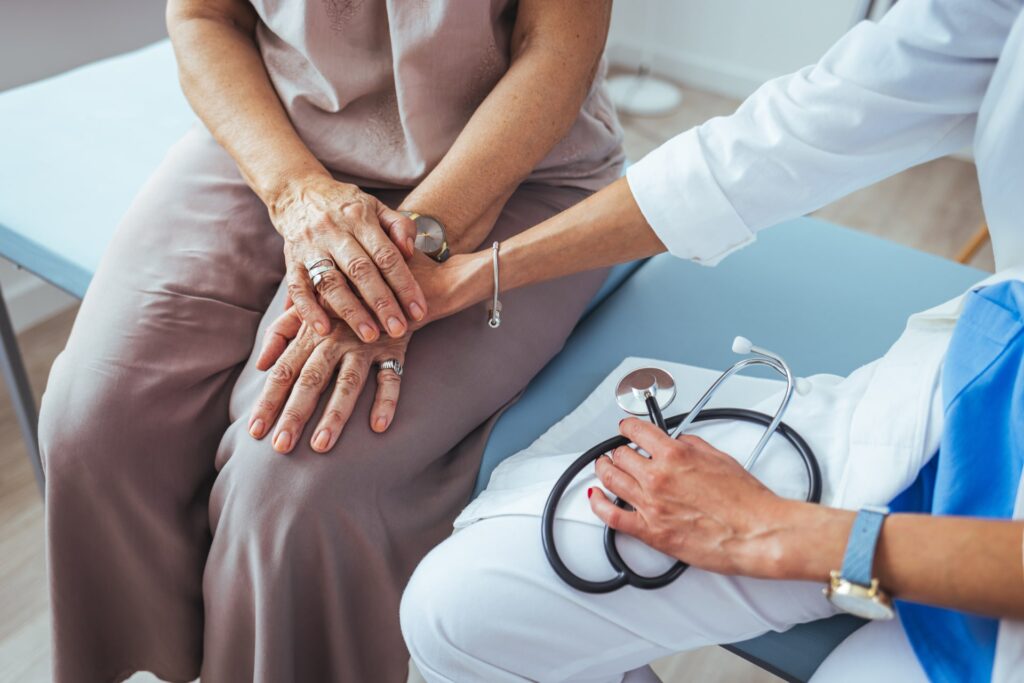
pixel 860 549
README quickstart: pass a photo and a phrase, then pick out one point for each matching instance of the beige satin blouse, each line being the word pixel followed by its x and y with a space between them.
pixel 380 90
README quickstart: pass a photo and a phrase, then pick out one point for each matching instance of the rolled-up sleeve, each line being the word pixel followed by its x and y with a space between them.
pixel 887 96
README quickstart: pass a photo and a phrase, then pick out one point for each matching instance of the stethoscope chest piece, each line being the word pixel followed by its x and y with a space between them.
pixel 633 390
pixel 647 391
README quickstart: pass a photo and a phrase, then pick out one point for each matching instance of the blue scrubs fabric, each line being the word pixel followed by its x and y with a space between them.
pixel 977 469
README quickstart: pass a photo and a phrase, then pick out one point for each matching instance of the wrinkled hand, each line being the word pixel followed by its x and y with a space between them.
pixel 691 501
pixel 369 242
pixel 302 363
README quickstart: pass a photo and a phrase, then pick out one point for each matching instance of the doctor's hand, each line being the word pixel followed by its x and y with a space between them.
pixel 692 502
pixel 323 220
pixel 302 363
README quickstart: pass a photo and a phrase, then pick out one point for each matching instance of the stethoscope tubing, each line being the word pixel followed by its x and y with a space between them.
pixel 624 574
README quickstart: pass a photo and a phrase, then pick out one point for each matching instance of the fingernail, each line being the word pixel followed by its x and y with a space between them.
pixel 380 424
pixel 323 437
pixel 590 492
pixel 282 441
pixel 410 244
pixel 256 428
pixel 395 327
pixel 320 328
pixel 417 310
pixel 367 333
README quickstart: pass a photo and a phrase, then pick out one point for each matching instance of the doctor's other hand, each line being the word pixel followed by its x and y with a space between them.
pixel 301 364
pixel 372 287
pixel 693 502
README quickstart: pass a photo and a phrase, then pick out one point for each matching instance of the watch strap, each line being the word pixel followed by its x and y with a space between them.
pixel 859 560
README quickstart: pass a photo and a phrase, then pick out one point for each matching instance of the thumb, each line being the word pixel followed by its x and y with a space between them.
pixel 277 337
pixel 400 228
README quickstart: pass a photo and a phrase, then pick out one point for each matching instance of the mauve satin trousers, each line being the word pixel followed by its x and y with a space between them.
pixel 178 544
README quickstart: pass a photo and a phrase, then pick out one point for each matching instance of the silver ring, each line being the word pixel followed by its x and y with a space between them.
pixel 318 261
pixel 317 268
pixel 392 365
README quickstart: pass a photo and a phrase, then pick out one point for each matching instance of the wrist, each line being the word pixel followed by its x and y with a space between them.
pixel 278 192
pixel 806 541
pixel 457 284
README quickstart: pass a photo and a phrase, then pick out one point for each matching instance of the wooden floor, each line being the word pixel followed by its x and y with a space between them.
pixel 934 207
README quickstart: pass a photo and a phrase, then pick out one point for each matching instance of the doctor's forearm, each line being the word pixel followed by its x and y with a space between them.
pixel 605 229
pixel 967 564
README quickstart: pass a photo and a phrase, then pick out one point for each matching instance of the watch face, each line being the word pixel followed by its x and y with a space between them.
pixel 861 606
pixel 430 235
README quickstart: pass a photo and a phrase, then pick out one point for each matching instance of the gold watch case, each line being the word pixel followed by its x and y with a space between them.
pixel 867 602
pixel 431 236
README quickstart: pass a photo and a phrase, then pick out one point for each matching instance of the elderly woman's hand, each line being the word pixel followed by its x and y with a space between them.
pixel 693 502
pixel 301 364
pixel 321 218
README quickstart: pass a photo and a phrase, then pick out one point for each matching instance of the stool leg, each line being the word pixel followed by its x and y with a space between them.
pixel 20 390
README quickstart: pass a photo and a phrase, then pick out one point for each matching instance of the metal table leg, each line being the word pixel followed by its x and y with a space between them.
pixel 20 390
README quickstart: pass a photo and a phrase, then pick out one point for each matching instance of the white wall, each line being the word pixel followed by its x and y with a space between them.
pixel 727 46
pixel 40 38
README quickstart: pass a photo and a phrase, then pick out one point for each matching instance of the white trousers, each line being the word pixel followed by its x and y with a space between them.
pixel 486 606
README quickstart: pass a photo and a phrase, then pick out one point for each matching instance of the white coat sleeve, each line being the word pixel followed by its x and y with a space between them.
pixel 885 97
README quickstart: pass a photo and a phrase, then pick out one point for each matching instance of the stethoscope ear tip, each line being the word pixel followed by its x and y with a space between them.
pixel 742 345
pixel 803 386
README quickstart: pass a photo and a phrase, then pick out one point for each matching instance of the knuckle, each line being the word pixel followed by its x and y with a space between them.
pixel 687 441
pixel 291 415
pixel 386 402
pixel 356 208
pixel 311 378
pixel 349 379
pixel 334 416
pixel 347 311
pixel 297 291
pixel 281 373
pixel 360 268
pixel 381 304
pixel 329 283
pixel 265 405
pixel 614 518
pixel 387 258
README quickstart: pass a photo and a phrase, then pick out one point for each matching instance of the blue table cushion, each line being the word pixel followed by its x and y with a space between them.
pixel 616 276
pixel 74 151
pixel 826 298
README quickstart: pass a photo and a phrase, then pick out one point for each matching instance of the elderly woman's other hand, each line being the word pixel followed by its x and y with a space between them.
pixel 320 219
pixel 691 501
pixel 302 363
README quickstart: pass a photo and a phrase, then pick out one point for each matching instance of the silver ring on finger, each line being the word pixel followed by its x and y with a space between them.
pixel 392 365
pixel 317 268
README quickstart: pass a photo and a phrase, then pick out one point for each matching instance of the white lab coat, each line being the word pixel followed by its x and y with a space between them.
pixel 933 77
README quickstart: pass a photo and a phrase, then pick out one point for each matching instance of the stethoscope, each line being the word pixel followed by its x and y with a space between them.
pixel 648 391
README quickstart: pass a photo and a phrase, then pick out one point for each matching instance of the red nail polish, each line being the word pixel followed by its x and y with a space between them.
pixel 590 492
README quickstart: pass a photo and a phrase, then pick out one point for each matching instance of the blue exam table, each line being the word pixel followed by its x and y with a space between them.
pixel 75 149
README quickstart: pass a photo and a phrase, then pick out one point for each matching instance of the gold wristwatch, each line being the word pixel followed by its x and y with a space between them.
pixel 431 237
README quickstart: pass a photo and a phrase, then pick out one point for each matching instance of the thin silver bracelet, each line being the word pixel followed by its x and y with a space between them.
pixel 494 312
